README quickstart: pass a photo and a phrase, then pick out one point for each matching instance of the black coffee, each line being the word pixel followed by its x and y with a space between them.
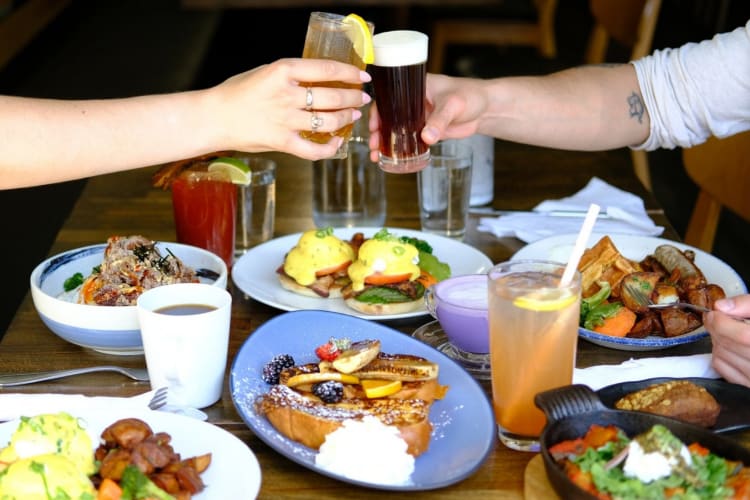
pixel 186 309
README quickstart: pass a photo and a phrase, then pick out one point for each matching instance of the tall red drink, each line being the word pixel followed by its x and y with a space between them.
pixel 204 212
pixel 398 77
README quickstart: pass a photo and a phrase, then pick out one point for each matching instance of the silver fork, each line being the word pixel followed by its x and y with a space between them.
pixel 139 374
pixel 645 300
pixel 159 398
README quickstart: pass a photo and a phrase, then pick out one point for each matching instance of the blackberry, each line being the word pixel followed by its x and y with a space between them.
pixel 273 368
pixel 329 391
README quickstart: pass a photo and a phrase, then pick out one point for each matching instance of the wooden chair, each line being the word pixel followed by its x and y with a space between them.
pixel 721 170
pixel 539 33
pixel 631 23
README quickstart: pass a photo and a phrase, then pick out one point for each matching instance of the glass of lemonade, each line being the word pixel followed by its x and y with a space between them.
pixel 328 37
pixel 533 323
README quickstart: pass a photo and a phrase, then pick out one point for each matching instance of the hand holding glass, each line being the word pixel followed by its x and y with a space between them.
pixel 328 38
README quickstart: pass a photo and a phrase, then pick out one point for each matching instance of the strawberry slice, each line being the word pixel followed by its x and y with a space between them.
pixel 328 351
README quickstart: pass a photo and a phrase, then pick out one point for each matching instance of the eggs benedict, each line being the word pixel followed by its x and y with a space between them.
pixel 391 273
pixel 317 265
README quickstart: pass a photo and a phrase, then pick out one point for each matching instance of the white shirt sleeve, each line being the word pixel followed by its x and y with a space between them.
pixel 697 90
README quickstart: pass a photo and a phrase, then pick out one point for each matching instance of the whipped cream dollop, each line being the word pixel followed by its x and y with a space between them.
pixel 367 450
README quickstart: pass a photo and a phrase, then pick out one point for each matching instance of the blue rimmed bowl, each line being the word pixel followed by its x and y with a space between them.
pixel 106 329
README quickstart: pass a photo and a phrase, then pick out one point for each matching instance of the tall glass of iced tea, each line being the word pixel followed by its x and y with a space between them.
pixel 331 36
pixel 533 324
pixel 204 205
pixel 399 79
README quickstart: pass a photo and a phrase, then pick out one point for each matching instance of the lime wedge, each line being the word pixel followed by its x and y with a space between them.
pixel 551 299
pixel 361 38
pixel 235 168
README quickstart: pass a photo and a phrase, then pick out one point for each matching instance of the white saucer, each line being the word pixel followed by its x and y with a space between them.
pixel 478 365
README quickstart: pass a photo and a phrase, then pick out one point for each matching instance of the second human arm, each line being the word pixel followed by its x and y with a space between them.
pixel 48 140
pixel 585 108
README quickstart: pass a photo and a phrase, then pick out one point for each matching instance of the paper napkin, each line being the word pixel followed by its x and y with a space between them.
pixel 596 377
pixel 15 405
pixel 625 214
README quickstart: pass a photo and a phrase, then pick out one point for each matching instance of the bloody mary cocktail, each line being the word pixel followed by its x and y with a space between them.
pixel 204 206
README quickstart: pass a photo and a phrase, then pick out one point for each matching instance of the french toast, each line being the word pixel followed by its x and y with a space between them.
pixel 309 421
pixel 301 412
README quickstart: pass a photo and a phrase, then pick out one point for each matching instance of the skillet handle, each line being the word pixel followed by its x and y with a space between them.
pixel 568 401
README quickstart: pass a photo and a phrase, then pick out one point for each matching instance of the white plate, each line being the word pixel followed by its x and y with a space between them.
pixel 234 471
pixel 255 272
pixel 558 248
pixel 463 426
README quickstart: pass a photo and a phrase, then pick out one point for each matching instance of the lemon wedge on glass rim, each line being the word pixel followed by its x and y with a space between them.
pixel 361 38
pixel 234 168
pixel 548 299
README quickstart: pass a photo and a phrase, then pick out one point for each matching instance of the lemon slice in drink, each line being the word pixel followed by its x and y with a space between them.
pixel 550 299
pixel 234 168
pixel 361 38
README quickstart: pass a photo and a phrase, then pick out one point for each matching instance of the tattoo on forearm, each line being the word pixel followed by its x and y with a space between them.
pixel 636 106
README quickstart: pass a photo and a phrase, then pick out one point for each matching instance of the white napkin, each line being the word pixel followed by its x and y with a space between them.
pixel 596 377
pixel 15 405
pixel 625 214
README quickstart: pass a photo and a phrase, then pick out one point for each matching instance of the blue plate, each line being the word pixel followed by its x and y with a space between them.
pixel 463 424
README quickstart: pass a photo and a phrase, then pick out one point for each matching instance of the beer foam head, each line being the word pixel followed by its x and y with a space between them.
pixel 400 48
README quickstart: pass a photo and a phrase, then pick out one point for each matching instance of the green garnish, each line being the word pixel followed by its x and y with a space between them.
pixel 595 309
pixel 323 232
pixel 421 245
pixel 73 282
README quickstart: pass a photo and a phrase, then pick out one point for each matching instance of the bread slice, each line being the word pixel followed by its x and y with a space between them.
pixel 603 262
pixel 332 289
pixel 308 421
pixel 385 309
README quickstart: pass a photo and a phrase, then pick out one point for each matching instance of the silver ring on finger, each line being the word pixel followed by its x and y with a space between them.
pixel 308 99
pixel 315 122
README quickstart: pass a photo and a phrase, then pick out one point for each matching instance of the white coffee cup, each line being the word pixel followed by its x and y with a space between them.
pixel 185 332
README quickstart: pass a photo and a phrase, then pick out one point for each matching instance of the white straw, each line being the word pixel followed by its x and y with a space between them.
pixel 580 246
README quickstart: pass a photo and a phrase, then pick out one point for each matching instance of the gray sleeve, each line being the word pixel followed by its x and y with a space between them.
pixel 697 90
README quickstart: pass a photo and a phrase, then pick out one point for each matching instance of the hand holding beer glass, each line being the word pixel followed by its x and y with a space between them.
pixel 341 38
pixel 399 74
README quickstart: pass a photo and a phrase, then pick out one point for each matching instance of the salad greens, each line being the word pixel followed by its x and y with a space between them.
pixel 595 309
pixel 704 476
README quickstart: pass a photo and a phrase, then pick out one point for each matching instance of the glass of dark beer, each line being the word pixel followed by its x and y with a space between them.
pixel 398 76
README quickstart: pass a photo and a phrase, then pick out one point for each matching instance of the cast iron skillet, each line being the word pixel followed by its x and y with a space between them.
pixel 733 398
pixel 572 409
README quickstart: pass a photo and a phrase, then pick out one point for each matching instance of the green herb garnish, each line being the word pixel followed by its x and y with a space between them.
pixel 73 282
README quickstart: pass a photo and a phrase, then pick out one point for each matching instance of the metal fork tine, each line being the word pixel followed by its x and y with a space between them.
pixel 638 294
pixel 159 399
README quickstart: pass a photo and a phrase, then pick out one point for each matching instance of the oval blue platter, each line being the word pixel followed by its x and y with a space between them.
pixel 463 423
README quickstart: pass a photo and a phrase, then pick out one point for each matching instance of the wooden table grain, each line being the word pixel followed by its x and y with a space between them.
pixel 126 203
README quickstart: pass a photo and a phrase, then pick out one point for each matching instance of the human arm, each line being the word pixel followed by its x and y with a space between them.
pixel 584 108
pixel 45 140
pixel 730 338
pixel 674 97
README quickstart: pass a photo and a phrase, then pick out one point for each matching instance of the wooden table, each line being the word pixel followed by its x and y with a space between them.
pixel 126 203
